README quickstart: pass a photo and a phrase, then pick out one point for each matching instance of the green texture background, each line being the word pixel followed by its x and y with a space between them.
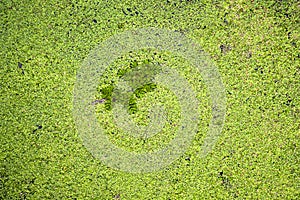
pixel 255 46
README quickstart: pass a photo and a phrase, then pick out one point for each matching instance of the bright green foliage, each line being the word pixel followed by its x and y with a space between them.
pixel 255 45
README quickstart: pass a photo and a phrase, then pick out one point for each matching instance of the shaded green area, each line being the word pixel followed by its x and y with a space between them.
pixel 107 92
pixel 255 46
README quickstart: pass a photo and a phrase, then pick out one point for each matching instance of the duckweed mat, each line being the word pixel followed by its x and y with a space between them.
pixel 253 45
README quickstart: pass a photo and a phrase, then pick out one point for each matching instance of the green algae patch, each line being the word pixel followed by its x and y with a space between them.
pixel 255 48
